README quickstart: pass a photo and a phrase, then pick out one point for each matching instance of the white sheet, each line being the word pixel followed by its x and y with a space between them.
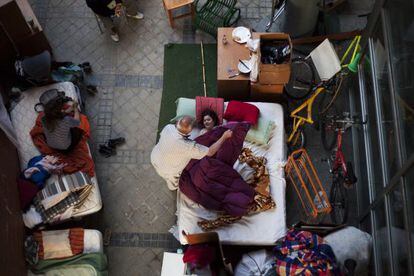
pixel 23 118
pixel 266 227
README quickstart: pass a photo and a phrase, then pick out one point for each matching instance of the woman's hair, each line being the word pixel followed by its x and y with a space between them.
pixel 212 114
pixel 53 114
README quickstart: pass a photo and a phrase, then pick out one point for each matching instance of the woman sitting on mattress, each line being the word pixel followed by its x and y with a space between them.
pixel 61 130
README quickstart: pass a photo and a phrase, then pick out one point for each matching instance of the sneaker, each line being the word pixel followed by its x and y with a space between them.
pixel 115 37
pixel 138 15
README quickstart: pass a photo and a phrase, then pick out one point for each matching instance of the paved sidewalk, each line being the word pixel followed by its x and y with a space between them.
pixel 138 207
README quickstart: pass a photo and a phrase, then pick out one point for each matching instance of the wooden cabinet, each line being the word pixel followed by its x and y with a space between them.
pixel 20 35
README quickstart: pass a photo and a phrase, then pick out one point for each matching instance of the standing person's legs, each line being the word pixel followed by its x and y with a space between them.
pixel 109 24
pixel 132 10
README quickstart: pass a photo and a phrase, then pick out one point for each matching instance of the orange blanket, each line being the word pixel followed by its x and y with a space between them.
pixel 78 159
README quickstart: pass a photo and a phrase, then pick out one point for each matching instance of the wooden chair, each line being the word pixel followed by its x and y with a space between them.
pixel 216 13
pixel 171 5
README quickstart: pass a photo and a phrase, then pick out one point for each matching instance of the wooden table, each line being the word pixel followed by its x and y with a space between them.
pixel 228 56
pixel 239 88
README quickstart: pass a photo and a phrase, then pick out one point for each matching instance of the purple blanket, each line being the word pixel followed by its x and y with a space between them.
pixel 212 181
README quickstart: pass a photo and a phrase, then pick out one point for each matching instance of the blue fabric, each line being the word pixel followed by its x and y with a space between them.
pixel 39 177
pixel 68 73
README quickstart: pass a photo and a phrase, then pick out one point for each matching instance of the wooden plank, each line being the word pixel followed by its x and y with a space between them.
pixel 316 39
pixel 174 4
pixel 12 231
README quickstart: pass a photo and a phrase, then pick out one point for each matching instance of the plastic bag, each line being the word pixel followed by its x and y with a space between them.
pixel 351 243
pixel 253 44
pixel 257 263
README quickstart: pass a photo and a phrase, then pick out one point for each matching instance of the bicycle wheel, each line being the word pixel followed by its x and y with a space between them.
pixel 339 201
pixel 301 80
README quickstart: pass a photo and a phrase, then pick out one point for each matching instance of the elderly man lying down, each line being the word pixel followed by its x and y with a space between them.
pixel 203 169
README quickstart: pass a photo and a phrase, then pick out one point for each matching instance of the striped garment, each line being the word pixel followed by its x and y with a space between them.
pixel 60 138
pixel 172 154
pixel 66 183
pixel 49 214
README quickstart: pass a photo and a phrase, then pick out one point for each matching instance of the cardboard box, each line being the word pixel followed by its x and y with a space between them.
pixel 266 92
pixel 274 73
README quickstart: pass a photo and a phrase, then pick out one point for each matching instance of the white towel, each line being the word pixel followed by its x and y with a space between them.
pixel 32 218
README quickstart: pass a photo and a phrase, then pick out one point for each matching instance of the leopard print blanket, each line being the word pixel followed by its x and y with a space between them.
pixel 261 184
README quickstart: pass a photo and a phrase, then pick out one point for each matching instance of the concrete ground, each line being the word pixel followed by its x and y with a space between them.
pixel 138 207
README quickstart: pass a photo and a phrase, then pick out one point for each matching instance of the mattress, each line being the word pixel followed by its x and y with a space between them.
pixel 264 228
pixel 92 243
pixel 23 118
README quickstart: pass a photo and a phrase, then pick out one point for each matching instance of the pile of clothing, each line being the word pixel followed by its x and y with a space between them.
pixel 64 252
pixel 298 253
pixel 55 200
pixel 304 253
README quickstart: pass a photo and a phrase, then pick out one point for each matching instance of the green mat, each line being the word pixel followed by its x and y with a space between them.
pixel 183 76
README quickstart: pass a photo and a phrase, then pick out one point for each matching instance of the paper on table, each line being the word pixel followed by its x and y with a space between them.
pixel 255 67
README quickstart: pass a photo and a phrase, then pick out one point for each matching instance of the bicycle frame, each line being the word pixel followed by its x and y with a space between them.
pixel 339 161
pixel 299 120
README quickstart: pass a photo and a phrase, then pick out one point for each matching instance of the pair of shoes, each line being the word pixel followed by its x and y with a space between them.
pixel 109 148
pixel 137 16
pixel 113 143
pixel 115 37
pixel 106 151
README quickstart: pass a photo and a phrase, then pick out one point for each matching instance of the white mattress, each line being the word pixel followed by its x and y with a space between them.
pixel 23 117
pixel 264 228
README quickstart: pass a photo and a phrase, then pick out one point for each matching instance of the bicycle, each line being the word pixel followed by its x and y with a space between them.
pixel 343 177
pixel 302 84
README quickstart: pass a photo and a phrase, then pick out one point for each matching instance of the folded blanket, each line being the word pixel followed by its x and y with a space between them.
pixel 97 260
pixel 60 243
pixel 78 159
pixel 212 181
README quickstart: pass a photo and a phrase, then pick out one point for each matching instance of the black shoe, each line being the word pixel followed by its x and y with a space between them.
pixel 106 151
pixel 112 143
pixel 91 89
pixel 86 66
